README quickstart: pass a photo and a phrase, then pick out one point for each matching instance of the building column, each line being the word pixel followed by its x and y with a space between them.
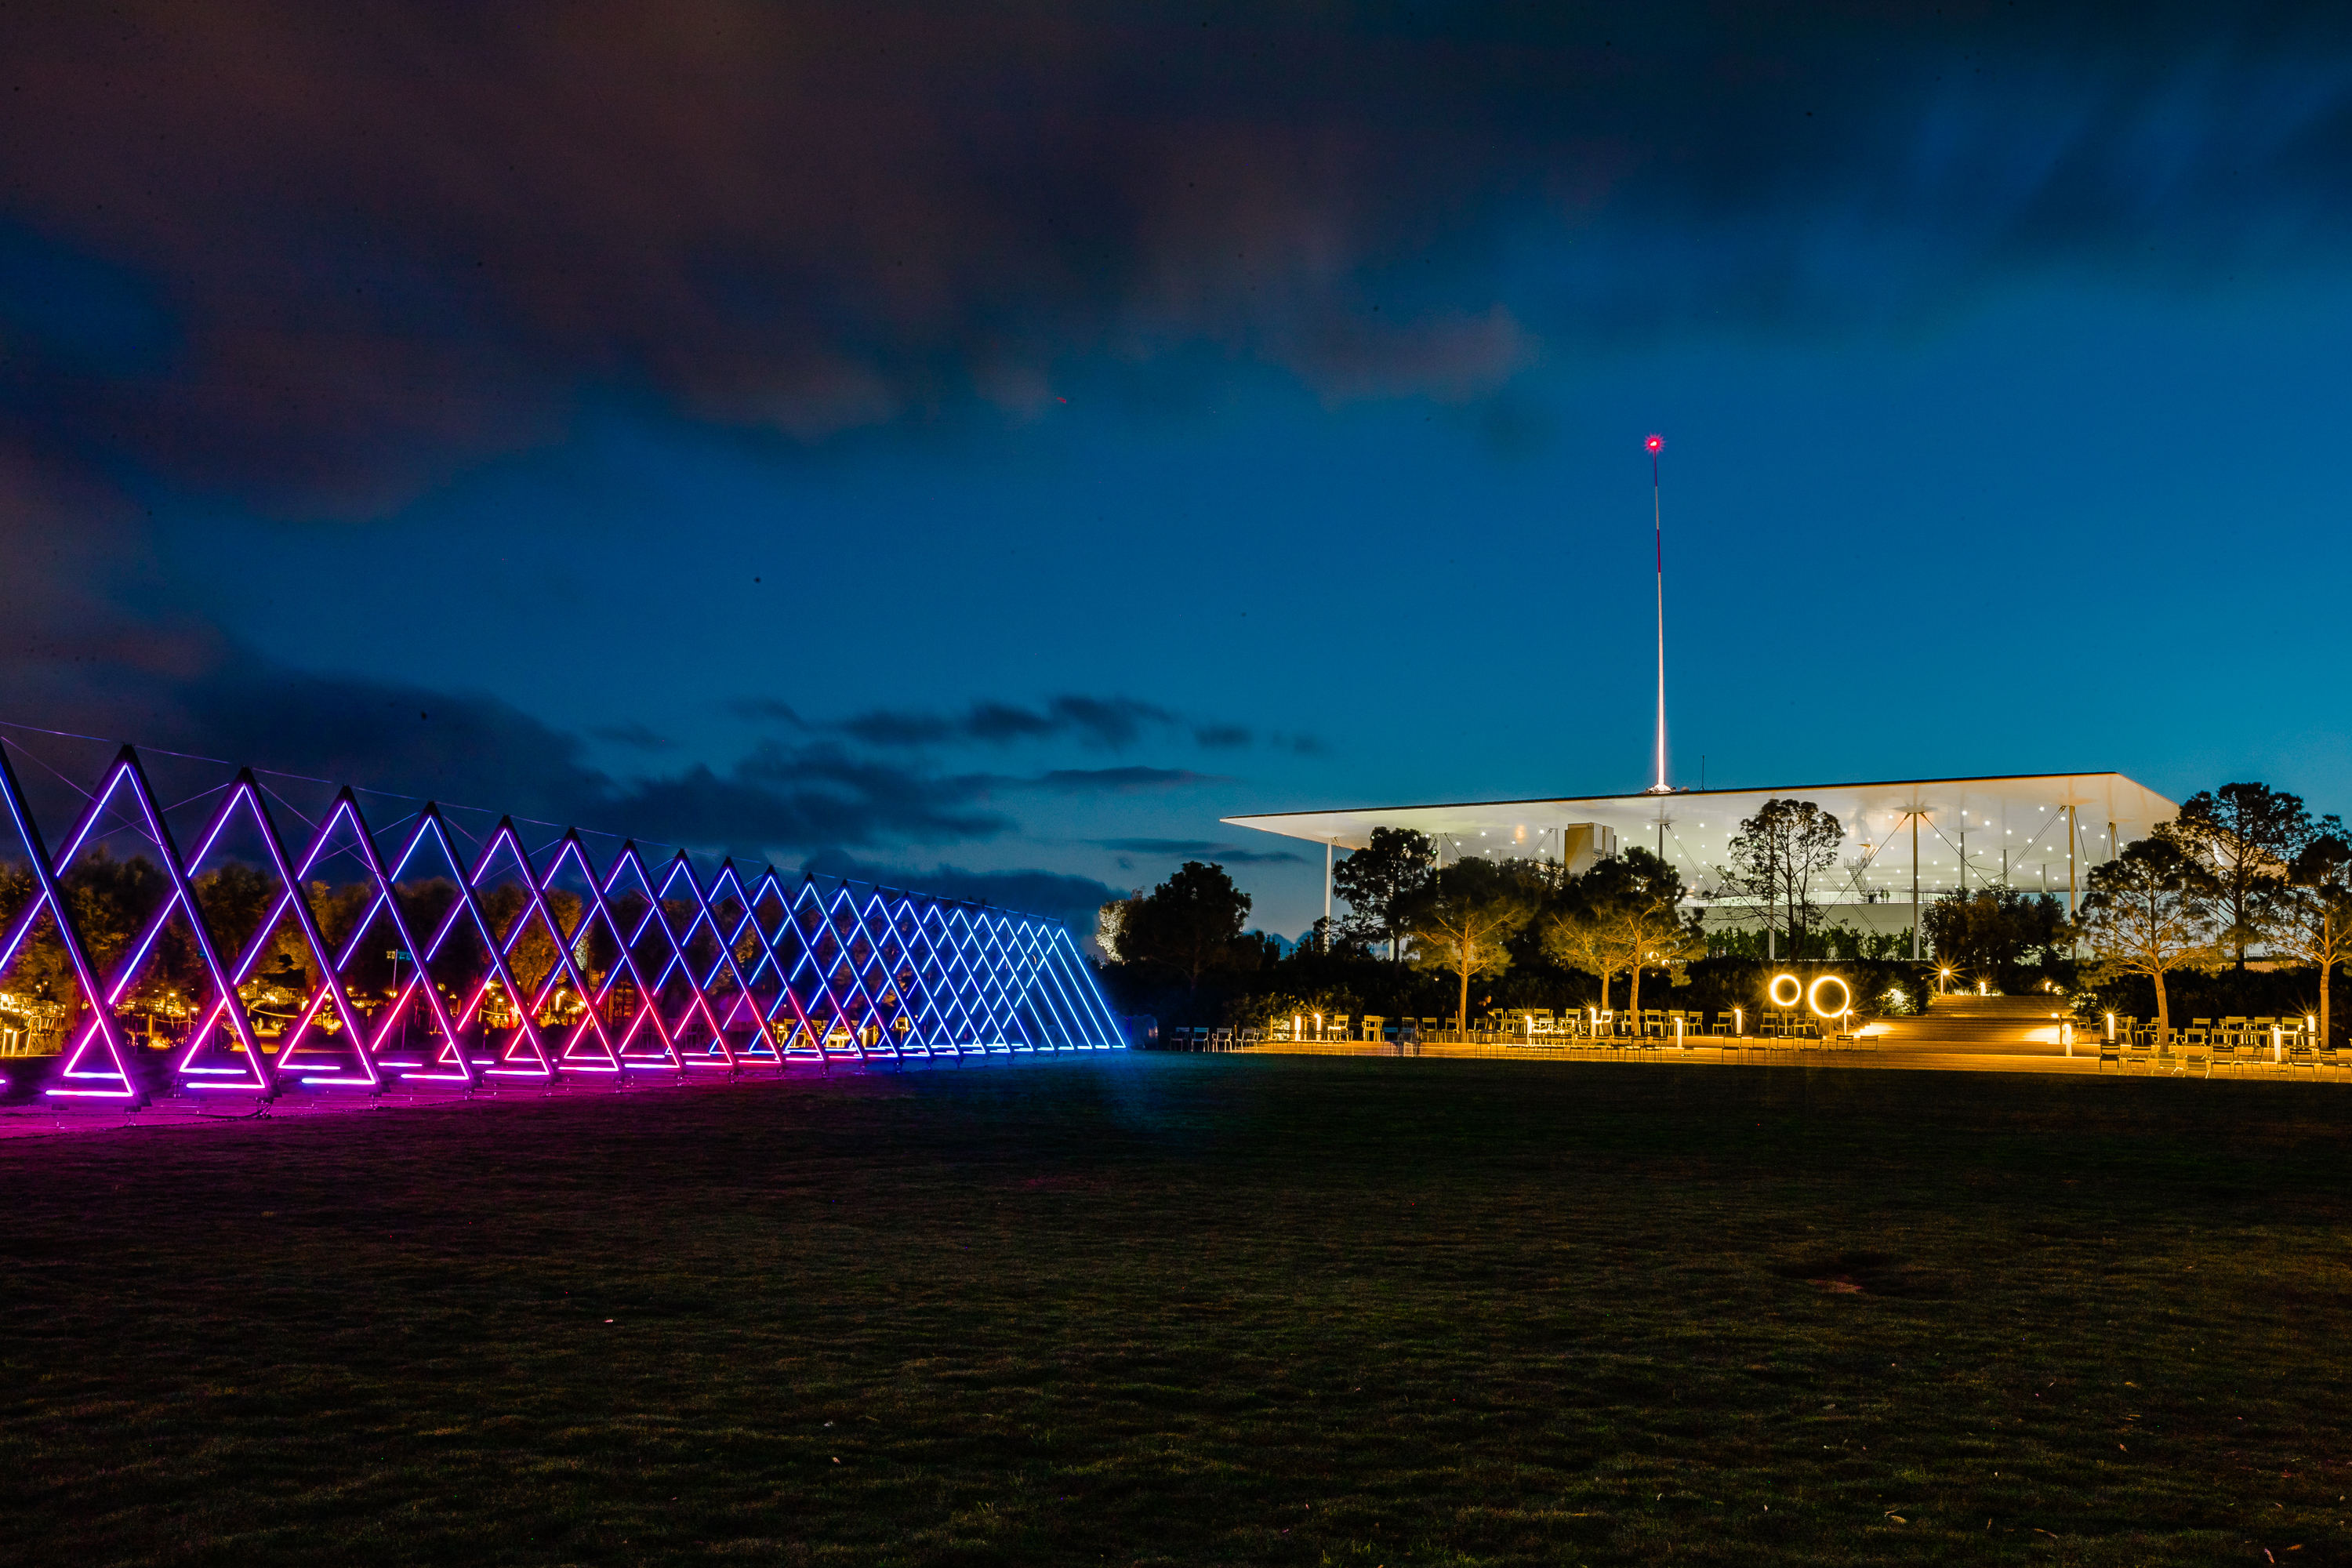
pixel 1914 888
pixel 1326 893
pixel 2073 850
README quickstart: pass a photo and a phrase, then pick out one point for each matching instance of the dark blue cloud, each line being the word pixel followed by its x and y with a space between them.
pixel 1108 723
pixel 78 314
pixel 1197 849
pixel 636 737
pixel 81 662
pixel 1121 781
pixel 1073 901
pixel 1112 722
pixel 762 711
pixel 363 288
pixel 361 277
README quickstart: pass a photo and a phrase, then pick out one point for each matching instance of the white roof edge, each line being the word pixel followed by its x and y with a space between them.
pixel 2017 799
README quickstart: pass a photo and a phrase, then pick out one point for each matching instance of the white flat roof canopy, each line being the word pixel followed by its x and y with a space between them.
pixel 2013 828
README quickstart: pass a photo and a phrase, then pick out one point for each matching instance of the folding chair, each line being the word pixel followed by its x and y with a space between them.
pixel 2168 1052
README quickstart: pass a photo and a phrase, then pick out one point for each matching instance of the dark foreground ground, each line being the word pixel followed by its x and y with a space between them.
pixel 1198 1310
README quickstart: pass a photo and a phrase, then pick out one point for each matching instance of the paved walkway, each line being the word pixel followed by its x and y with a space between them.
pixel 1958 1034
pixel 1717 1051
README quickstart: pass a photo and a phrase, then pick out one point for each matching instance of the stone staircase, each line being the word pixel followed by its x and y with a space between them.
pixel 1981 1025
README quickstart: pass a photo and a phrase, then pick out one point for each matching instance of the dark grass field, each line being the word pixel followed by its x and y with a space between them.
pixel 1198 1310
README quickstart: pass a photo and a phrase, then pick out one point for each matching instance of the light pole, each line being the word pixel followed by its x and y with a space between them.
pixel 1653 445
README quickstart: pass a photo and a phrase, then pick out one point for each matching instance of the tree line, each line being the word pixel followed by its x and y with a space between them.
pixel 1462 924
pixel 2242 866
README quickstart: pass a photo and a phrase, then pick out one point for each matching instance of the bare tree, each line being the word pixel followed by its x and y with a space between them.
pixel 1775 856
pixel 2248 834
pixel 2151 911
pixel 2311 921
pixel 1462 924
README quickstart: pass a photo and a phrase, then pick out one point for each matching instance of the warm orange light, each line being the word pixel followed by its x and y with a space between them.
pixel 1813 997
pixel 1796 991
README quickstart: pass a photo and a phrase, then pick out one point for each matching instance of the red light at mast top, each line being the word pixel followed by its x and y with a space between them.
pixel 1654 445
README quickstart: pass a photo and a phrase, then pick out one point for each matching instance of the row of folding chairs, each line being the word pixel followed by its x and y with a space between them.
pixel 2243 1033
pixel 1651 1024
pixel 2199 1053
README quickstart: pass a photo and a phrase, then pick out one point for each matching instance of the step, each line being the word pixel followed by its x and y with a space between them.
pixel 1980 1022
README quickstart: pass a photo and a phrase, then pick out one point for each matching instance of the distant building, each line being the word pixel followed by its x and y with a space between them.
pixel 1907 841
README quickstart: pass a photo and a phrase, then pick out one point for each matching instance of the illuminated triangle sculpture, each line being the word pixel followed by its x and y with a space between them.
pixel 717 976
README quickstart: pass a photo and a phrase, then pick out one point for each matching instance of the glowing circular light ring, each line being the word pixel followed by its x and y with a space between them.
pixel 1813 996
pixel 1796 991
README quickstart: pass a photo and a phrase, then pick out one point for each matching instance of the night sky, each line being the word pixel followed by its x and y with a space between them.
pixel 979 447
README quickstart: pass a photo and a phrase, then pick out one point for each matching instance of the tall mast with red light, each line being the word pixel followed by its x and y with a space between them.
pixel 1653 445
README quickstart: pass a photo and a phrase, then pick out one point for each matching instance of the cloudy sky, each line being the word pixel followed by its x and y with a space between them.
pixel 983 446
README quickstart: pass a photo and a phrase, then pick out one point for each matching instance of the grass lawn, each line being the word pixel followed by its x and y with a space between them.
pixel 1198 1310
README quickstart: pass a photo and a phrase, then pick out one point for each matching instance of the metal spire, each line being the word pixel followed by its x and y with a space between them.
pixel 1658 527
